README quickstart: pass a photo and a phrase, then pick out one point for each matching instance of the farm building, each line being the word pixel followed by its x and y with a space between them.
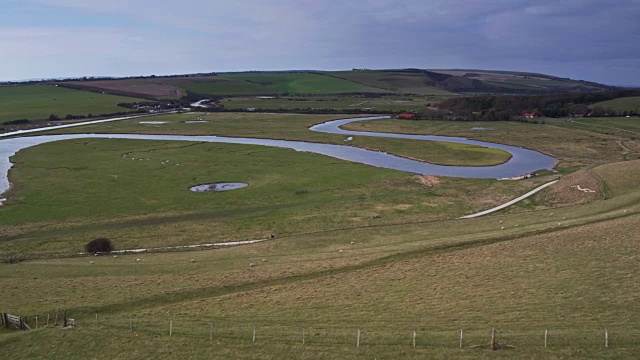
pixel 407 116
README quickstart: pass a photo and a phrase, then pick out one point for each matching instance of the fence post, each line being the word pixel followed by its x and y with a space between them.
pixel 414 339
pixel 254 334
pixel 211 332
pixel 493 339
pixel 546 334
pixel 170 327
pixel 358 341
pixel 606 338
pixel 47 319
pixel 36 322
pixel 461 338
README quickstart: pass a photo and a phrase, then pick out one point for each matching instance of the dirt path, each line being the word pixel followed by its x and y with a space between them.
pixel 509 203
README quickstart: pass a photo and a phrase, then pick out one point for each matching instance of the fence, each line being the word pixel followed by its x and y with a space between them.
pixel 278 331
pixel 13 322
pixel 34 322
pixel 261 331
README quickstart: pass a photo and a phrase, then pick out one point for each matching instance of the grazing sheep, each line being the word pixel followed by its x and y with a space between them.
pixel 252 264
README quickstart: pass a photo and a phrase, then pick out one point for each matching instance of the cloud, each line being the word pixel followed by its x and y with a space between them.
pixel 541 35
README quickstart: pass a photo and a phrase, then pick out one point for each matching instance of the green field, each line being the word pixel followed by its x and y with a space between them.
pixel 296 127
pixel 355 248
pixel 349 103
pixel 628 127
pixel 546 270
pixel 35 102
pixel 574 145
pixel 621 104
pixel 399 82
pixel 277 83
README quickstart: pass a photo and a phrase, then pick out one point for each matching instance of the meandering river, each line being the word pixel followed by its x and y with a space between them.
pixel 522 160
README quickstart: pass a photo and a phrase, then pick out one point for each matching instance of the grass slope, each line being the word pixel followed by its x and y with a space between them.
pixel 620 104
pixel 570 270
pixel 35 102
pixel 400 82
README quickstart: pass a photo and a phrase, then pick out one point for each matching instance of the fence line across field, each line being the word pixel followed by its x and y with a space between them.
pixel 279 331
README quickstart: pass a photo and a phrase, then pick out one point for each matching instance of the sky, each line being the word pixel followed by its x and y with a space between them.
pixel 594 40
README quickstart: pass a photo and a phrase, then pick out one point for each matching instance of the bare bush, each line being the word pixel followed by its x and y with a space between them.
pixel 100 245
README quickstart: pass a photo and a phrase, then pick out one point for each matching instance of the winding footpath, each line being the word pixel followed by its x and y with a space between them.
pixel 509 203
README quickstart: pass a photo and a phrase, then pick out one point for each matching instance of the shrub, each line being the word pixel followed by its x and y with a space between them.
pixel 100 245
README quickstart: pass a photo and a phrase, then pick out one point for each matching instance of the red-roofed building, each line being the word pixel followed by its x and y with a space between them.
pixel 407 116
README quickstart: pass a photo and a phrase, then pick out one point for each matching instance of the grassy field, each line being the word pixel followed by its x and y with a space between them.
pixel 548 269
pixel 399 82
pixel 574 145
pixel 355 247
pixel 35 102
pixel 627 127
pixel 620 104
pixel 296 127
pixel 289 193
pixel 272 83
pixel 329 102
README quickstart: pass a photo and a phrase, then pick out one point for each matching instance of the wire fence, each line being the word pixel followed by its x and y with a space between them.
pixel 280 331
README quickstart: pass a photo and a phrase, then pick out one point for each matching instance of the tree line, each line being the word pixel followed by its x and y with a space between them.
pixel 490 108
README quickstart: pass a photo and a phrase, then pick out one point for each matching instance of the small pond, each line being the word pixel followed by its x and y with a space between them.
pixel 218 187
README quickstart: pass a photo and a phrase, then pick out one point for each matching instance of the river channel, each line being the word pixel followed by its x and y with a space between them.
pixel 522 160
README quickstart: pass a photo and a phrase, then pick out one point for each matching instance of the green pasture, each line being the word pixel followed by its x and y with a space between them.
pixel 35 102
pixel 99 187
pixel 354 247
pixel 620 104
pixel 277 83
pixel 517 273
pixel 574 145
pixel 397 82
pixel 625 127
pixel 333 102
pixel 303 83
pixel 296 127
